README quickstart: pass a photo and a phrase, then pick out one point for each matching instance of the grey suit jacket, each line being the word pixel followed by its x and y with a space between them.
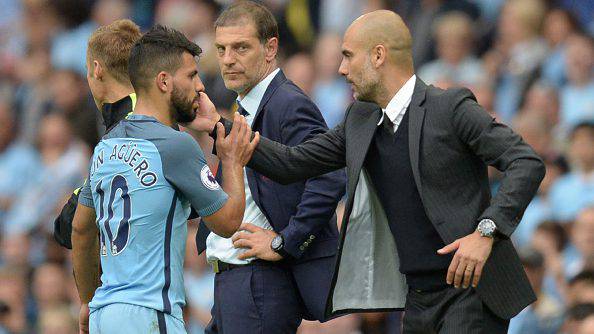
pixel 452 140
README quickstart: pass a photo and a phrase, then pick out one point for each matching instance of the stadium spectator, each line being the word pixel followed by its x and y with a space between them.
pixel 18 161
pixel 577 104
pixel 455 65
pixel 70 96
pixel 575 190
pixel 550 239
pixel 519 51
pixel 330 92
pixel 542 101
pixel 299 68
pixel 62 168
pixel 559 24
pixel 545 315
pixel 32 92
pixel 50 287
pixel 582 238
pixel 13 293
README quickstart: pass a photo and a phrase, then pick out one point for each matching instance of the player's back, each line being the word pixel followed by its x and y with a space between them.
pixel 142 214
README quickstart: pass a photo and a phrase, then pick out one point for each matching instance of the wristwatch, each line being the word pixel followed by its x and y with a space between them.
pixel 278 245
pixel 487 228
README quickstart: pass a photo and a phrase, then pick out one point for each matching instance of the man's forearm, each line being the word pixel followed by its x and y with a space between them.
pixel 85 258
pixel 235 188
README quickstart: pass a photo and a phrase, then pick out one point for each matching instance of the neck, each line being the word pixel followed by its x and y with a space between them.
pixel 117 92
pixel 145 105
pixel 392 83
pixel 270 67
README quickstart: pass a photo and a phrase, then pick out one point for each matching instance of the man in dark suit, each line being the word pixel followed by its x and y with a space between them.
pixel 419 216
pixel 278 270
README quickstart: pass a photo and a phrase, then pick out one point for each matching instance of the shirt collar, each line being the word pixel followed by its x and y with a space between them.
pixel 114 112
pixel 400 101
pixel 252 100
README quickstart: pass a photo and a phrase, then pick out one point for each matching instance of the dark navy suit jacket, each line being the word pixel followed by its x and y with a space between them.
pixel 303 212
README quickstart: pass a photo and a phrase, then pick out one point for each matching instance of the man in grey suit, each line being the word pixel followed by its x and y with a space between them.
pixel 419 216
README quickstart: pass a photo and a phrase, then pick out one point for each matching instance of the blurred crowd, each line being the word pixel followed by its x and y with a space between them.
pixel 529 62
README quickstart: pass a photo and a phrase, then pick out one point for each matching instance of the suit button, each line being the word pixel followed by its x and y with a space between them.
pixel 301 248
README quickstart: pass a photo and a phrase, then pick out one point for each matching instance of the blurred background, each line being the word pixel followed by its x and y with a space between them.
pixel 529 62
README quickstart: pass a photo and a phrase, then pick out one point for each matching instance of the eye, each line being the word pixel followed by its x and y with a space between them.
pixel 242 48
pixel 220 50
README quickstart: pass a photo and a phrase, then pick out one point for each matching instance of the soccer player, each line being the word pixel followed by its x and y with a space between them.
pixel 108 51
pixel 144 175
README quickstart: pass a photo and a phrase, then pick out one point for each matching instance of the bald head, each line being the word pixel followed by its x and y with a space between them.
pixel 384 27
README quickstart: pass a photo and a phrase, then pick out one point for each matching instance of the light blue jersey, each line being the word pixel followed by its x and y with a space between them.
pixel 143 178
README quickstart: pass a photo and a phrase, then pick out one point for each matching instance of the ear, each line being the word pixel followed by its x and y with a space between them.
pixel 378 55
pixel 97 70
pixel 164 81
pixel 271 47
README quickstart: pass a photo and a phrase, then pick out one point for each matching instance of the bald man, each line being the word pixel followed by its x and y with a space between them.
pixel 420 230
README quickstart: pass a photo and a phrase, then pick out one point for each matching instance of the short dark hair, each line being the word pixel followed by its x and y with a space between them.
pixel 260 16
pixel 160 49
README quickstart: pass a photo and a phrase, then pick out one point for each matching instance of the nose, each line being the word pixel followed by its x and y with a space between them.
pixel 198 85
pixel 228 58
pixel 342 70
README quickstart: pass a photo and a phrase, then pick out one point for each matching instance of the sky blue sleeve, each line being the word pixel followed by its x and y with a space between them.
pixel 184 166
pixel 85 197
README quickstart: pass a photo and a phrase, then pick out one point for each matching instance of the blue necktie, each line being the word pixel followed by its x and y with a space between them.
pixel 242 111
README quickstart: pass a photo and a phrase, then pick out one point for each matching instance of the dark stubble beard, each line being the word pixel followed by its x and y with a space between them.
pixel 181 107
pixel 369 86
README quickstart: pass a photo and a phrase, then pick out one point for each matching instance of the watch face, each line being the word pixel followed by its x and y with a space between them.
pixel 487 227
pixel 277 242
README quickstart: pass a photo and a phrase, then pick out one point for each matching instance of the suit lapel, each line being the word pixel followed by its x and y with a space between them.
pixel 415 127
pixel 362 125
pixel 278 80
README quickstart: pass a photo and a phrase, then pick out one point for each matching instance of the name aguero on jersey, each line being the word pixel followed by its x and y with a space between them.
pixel 129 155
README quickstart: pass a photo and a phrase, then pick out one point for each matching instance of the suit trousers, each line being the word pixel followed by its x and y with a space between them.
pixel 449 311
pixel 259 298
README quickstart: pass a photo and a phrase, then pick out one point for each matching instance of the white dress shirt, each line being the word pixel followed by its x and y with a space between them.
pixel 217 247
pixel 397 106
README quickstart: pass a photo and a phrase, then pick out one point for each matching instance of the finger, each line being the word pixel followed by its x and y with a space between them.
pixel 255 141
pixel 239 235
pixel 478 271
pixel 248 133
pixel 468 275
pixel 249 227
pixel 247 254
pixel 243 243
pixel 238 140
pixel 236 125
pixel 459 273
pixel 449 248
pixel 452 269
pixel 220 131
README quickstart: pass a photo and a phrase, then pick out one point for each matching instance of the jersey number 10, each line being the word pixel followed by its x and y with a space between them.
pixel 118 243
